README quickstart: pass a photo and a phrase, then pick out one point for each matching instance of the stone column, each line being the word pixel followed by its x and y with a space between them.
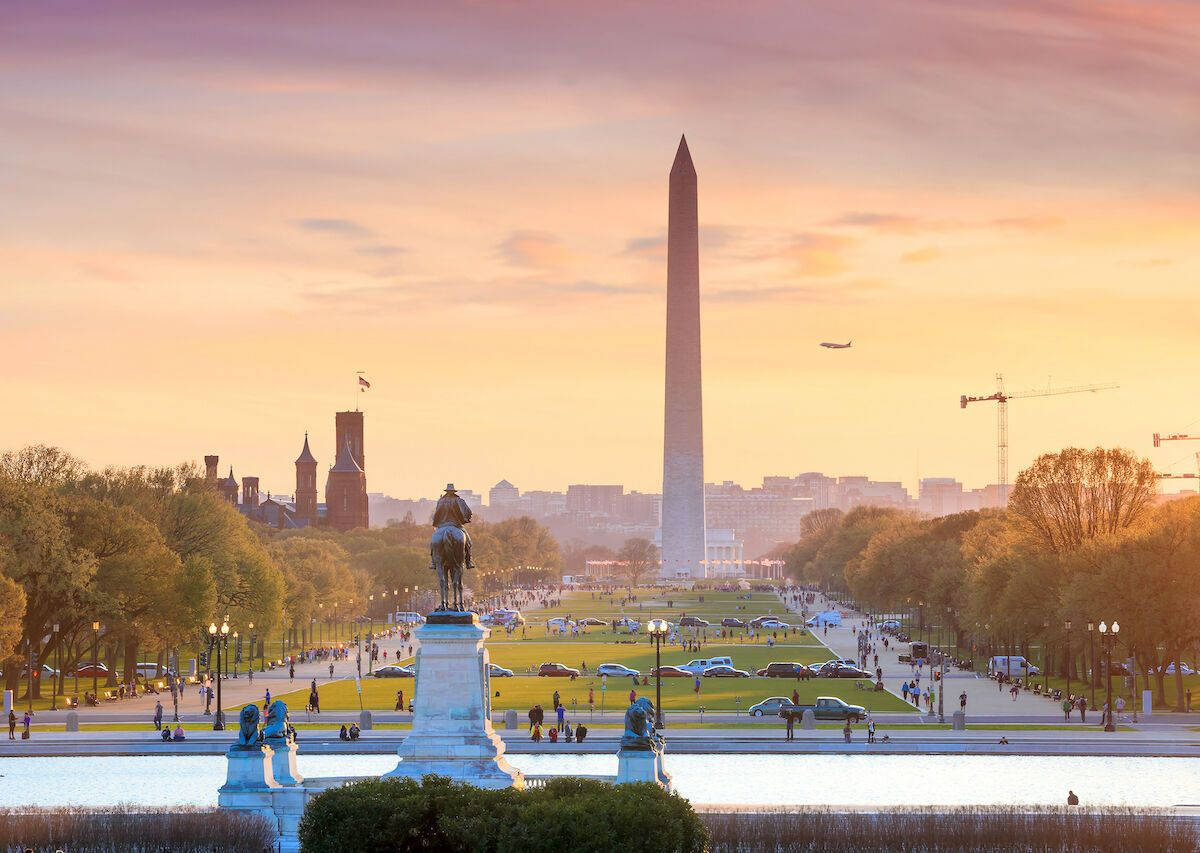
pixel 452 732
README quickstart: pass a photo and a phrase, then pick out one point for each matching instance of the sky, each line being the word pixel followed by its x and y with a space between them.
pixel 214 214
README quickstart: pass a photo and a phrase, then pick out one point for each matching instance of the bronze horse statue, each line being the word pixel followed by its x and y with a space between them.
pixel 448 552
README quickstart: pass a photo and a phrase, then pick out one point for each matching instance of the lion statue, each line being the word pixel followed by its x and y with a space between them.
pixel 248 722
pixel 276 727
pixel 639 726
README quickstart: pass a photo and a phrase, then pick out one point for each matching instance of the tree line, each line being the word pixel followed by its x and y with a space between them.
pixel 153 555
pixel 1082 540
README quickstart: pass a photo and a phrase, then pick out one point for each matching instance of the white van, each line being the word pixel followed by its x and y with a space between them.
pixel 1015 664
pixel 407 617
pixel 697 667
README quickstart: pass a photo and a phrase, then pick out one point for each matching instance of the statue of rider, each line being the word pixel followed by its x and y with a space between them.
pixel 454 511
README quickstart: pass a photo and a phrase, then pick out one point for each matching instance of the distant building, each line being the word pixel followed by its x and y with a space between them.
pixel 503 495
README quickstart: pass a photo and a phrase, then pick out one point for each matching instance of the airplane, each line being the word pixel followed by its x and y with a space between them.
pixel 846 345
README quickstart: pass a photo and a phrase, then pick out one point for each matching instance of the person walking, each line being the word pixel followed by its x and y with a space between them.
pixel 962 701
pixel 314 698
pixel 556 700
pixel 208 698
pixel 904 690
pixel 331 669
pixel 158 712
pixel 1066 706
pixel 561 711
pixel 846 730
pixel 25 721
pixel 12 725
pixel 1082 704
pixel 291 670
pixel 790 721
pixel 871 730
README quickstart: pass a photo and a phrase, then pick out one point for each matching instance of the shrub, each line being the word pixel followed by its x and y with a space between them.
pixel 129 830
pixel 975 829
pixel 580 815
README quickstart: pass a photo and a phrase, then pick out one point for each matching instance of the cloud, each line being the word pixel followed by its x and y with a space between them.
pixel 833 292
pixel 339 227
pixel 817 254
pixel 713 238
pixel 921 256
pixel 653 247
pixel 895 222
pixel 1027 223
pixel 380 250
pixel 533 249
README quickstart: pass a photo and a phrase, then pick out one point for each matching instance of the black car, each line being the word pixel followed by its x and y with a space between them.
pixel 692 622
pixel 841 670
pixel 782 670
pixel 732 622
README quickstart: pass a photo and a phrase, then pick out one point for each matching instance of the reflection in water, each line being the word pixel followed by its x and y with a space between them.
pixel 854 780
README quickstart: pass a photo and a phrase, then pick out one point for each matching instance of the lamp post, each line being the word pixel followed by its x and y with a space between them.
pixel 29 679
pixel 1107 639
pixel 237 653
pixel 1045 656
pixel 658 628
pixel 95 658
pixel 1067 626
pixel 57 675
pixel 253 645
pixel 1091 629
pixel 220 637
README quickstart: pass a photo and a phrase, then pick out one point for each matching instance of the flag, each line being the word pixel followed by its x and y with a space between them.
pixel 364 383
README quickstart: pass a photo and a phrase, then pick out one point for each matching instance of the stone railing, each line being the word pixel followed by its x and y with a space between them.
pixel 539 780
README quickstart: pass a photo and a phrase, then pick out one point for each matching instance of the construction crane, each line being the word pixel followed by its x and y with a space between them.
pixel 1178 436
pixel 1002 397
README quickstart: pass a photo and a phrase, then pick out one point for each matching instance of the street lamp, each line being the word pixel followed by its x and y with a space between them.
pixel 1107 639
pixel 57 675
pixel 237 651
pixel 221 638
pixel 253 643
pixel 1067 625
pixel 1091 629
pixel 658 628
pixel 95 659
pixel 1045 657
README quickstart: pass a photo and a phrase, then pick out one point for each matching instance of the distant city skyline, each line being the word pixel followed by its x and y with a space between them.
pixel 213 222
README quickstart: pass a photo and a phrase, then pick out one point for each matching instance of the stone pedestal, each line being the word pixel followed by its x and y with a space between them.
pixel 510 719
pixel 958 722
pixel 72 721
pixel 452 732
pixel 283 762
pixel 366 721
pixel 808 720
pixel 642 765
pixel 248 769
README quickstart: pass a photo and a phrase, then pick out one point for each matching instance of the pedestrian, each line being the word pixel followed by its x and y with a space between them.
pixel 12 724
pixel 158 712
pixel 292 671
pixel 1082 704
pixel 561 711
pixel 25 721
pixel 1066 706
pixel 314 699
pixel 632 696
pixel 580 733
pixel 871 730
pixel 846 731
pixel 962 701
pixel 556 699
pixel 208 697
pixel 250 673
pixel 790 720
pixel 795 697
pixel 331 669
pixel 535 733
pixel 904 690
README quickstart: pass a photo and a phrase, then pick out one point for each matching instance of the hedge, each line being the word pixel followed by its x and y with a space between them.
pixel 580 815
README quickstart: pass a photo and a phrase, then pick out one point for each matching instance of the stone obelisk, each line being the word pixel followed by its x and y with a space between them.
pixel 683 436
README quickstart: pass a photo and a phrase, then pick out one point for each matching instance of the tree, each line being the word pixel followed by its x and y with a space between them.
pixel 639 557
pixel 834 563
pixel 1064 499
pixel 12 612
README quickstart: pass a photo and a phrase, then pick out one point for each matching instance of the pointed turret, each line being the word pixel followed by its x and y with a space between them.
pixel 306 454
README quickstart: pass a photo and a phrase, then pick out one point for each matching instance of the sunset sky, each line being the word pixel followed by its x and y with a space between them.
pixel 211 218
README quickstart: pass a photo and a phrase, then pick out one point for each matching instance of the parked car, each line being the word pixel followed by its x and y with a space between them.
pixel 665 671
pixel 1183 668
pixel 778 669
pixel 826 708
pixel 560 622
pixel 692 622
pixel 776 625
pixel 697 666
pixel 888 625
pixel 732 622
pixel 769 707
pixel 724 671
pixel 498 671
pixel 43 671
pixel 592 621
pixel 758 621
pixel 557 670
pixel 841 670
pixel 617 670
pixel 395 670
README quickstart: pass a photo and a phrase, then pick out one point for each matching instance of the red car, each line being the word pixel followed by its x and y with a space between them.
pixel 670 672
pixel 557 670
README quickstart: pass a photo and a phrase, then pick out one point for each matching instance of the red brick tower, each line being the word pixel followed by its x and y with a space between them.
pixel 348 428
pixel 210 470
pixel 250 492
pixel 306 486
pixel 346 492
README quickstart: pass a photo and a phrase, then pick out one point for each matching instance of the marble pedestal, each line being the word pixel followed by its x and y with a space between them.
pixel 452 731
pixel 283 762
pixel 642 765
pixel 249 781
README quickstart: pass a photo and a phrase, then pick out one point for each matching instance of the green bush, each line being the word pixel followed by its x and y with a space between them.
pixel 580 815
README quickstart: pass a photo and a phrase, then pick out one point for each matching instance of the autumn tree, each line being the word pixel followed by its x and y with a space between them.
pixel 1064 499
pixel 638 558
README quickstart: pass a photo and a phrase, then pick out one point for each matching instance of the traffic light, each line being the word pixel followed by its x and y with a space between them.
pixel 204 660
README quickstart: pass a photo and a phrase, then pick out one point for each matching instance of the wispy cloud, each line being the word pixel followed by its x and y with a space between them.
pixel 339 227
pixel 831 292
pixel 818 254
pixel 380 250
pixel 533 249
pixel 895 222
pixel 921 256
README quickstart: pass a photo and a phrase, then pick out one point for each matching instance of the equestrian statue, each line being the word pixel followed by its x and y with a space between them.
pixel 450 547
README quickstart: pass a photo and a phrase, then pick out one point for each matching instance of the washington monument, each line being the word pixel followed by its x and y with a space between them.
pixel 683 435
